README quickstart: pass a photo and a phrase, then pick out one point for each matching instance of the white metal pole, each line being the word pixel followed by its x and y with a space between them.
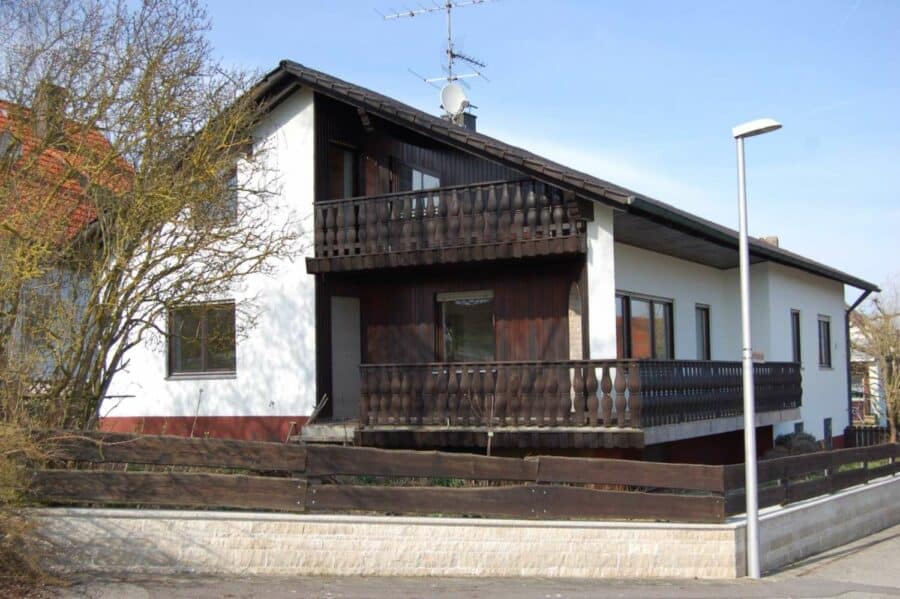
pixel 747 359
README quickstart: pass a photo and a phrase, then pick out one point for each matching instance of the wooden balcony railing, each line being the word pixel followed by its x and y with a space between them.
pixel 586 393
pixel 465 223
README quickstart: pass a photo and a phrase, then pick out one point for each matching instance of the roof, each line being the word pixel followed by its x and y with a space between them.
pixel 59 168
pixel 542 168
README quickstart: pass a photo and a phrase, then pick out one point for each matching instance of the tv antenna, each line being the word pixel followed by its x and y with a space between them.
pixel 453 99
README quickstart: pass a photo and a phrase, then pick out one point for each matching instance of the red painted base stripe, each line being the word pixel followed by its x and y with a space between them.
pixel 248 428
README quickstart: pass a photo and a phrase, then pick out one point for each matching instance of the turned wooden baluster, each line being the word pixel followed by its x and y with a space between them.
pixel 429 401
pixel 504 215
pixel 371 210
pixel 490 216
pixel 620 386
pixel 526 386
pixel 320 231
pixel 488 399
pixel 606 402
pixel 363 396
pixel 578 395
pixel 531 212
pixel 538 384
pixel 514 412
pixel 396 399
pixel 442 404
pixel 453 396
pixel 478 216
pixel 404 215
pixel 558 213
pixel 384 384
pixel 440 219
pixel 634 397
pixel 329 230
pixel 518 217
pixel 453 215
pixel 564 398
pixel 405 398
pixel 381 228
pixel 428 217
pixel 551 394
pixel 500 398
pixel 340 229
pixel 590 389
pixel 544 202
pixel 350 238
pixel 466 403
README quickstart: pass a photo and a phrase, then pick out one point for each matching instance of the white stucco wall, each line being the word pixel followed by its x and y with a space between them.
pixel 824 389
pixel 775 291
pixel 276 358
pixel 601 281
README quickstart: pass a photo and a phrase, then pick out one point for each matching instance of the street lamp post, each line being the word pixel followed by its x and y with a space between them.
pixel 757 127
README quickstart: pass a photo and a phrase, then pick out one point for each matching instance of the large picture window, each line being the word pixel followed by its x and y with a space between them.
pixel 202 339
pixel 644 328
pixel 466 326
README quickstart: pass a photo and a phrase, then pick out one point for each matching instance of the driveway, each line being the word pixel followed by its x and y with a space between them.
pixel 869 567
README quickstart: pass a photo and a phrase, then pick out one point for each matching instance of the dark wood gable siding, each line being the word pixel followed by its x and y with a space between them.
pixel 530 311
pixel 339 123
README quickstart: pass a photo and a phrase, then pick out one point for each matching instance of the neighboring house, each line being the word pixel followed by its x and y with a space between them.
pixel 459 291
pixel 43 158
pixel 868 405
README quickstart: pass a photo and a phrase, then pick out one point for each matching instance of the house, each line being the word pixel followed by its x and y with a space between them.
pixel 458 292
pixel 47 165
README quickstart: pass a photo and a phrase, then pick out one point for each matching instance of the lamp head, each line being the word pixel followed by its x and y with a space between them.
pixel 757 127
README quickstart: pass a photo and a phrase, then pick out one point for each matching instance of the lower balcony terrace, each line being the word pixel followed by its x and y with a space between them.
pixel 565 404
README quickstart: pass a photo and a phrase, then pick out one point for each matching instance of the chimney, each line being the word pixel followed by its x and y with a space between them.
pixel 48 111
pixel 770 239
pixel 468 121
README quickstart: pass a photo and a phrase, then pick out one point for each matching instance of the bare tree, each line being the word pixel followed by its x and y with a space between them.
pixel 877 335
pixel 129 184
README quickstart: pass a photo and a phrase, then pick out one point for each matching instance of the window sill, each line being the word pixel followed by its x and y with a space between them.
pixel 825 367
pixel 201 376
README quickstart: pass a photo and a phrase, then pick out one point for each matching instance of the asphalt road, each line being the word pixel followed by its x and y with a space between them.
pixel 869 567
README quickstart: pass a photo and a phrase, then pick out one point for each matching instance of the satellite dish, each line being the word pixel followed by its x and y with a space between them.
pixel 453 99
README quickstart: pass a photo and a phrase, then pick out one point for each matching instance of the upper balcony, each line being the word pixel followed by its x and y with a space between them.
pixel 446 225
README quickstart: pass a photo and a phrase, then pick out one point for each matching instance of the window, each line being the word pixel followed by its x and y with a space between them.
pixel 466 326
pixel 202 339
pixel 798 428
pixel 824 341
pixel 644 328
pixel 795 335
pixel 829 442
pixel 701 316
pixel 341 164
pixel 415 179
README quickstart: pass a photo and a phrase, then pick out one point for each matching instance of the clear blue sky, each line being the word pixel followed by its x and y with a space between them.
pixel 644 94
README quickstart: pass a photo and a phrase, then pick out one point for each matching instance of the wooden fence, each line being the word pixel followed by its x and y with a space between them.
pixel 328 479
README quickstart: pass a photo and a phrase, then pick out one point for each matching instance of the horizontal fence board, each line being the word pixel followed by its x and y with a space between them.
pixel 736 503
pixel 170 488
pixel 522 501
pixel 798 491
pixel 513 501
pixel 177 451
pixel 848 478
pixel 883 451
pixel 325 460
pixel 885 470
pixel 578 502
pixel 552 469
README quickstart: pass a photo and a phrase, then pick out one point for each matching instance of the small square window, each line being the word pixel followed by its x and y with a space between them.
pixel 202 339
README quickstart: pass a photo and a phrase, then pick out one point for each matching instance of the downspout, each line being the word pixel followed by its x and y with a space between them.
pixel 858 301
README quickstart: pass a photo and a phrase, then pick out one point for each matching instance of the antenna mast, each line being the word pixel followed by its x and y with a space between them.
pixel 452 54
